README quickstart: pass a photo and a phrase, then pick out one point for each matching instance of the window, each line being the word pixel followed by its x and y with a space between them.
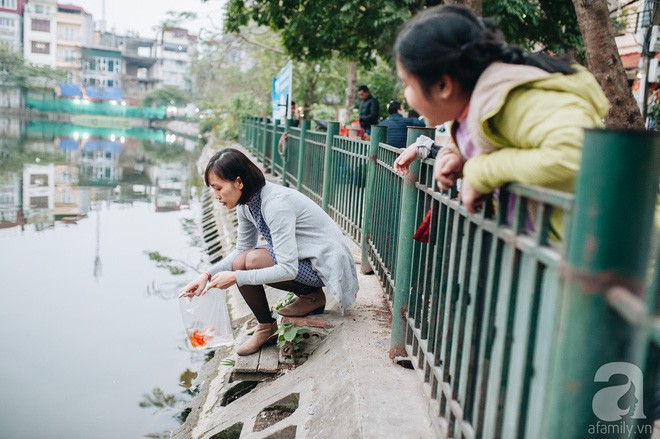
pixel 40 25
pixel 101 65
pixel 8 4
pixel 39 180
pixel 67 197
pixel 69 54
pixel 39 202
pixel 7 22
pixel 68 33
pixel 39 9
pixel 110 83
pixel 40 47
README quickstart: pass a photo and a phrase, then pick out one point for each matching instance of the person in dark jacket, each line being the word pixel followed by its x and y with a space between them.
pixel 368 109
pixel 397 125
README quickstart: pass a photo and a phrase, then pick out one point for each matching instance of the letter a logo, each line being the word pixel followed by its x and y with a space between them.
pixel 607 402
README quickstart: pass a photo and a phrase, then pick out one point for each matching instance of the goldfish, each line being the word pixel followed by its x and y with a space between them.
pixel 200 337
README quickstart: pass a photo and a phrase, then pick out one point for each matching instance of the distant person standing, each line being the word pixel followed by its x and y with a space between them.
pixel 397 125
pixel 295 114
pixel 368 109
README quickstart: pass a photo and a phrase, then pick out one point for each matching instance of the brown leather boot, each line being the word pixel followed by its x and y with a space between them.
pixel 305 304
pixel 263 333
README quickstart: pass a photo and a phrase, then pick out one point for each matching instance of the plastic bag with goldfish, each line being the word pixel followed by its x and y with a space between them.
pixel 206 319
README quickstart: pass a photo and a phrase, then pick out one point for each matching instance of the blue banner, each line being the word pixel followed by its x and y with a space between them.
pixel 282 93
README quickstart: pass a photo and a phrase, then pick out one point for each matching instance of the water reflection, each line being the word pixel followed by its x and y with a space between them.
pixel 79 207
pixel 55 171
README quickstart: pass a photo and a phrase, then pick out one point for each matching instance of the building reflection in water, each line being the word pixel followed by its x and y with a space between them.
pixel 58 172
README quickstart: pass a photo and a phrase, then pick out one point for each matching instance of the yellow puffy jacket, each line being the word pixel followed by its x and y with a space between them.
pixel 528 126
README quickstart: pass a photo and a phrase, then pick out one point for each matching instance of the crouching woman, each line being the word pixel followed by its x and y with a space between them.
pixel 304 251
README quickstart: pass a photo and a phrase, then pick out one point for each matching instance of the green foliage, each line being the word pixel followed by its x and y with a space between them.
pixel 14 155
pixel 15 72
pixel 290 333
pixel 358 29
pixel 319 82
pixel 313 30
pixel 163 152
pixel 231 90
pixel 165 96
pixel 158 400
pixel 550 24
pixel 191 228
pixel 290 297
pixel 323 112
pixel 228 362
pixel 175 267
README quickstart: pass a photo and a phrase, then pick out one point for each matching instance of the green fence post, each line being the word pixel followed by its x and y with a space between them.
pixel 328 166
pixel 264 146
pixel 304 126
pixel 246 135
pixel 407 228
pixel 378 135
pixel 608 245
pixel 241 132
pixel 276 141
pixel 250 133
pixel 273 145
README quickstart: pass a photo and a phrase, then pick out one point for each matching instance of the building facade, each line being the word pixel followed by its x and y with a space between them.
pixel 11 24
pixel 75 30
pixel 40 32
pixel 174 52
pixel 101 67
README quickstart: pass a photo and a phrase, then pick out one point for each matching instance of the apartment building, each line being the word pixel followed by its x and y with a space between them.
pixel 39 32
pixel 75 30
pixel 174 53
pixel 101 67
pixel 11 24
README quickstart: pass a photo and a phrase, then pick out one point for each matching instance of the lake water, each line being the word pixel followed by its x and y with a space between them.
pixel 91 335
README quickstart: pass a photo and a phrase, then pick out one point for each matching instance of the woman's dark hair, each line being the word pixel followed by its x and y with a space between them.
pixel 229 164
pixel 451 40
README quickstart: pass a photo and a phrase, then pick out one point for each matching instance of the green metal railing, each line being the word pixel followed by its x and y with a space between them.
pixel 505 324
pixel 311 181
pixel 381 240
pixel 348 180
pixel 277 159
pixel 291 155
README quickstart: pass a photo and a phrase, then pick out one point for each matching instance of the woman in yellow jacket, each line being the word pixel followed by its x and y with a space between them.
pixel 516 117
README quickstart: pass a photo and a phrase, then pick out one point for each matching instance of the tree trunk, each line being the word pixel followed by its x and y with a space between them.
pixel 475 5
pixel 351 84
pixel 605 63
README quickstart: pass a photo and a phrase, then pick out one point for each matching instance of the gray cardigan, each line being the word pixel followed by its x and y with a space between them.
pixel 300 229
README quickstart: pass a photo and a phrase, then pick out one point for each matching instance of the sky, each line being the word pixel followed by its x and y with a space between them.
pixel 143 15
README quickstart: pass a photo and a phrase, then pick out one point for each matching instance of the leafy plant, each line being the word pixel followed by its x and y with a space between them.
pixel 166 95
pixel 158 400
pixel 290 333
pixel 176 267
pixel 290 297
pixel 228 362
